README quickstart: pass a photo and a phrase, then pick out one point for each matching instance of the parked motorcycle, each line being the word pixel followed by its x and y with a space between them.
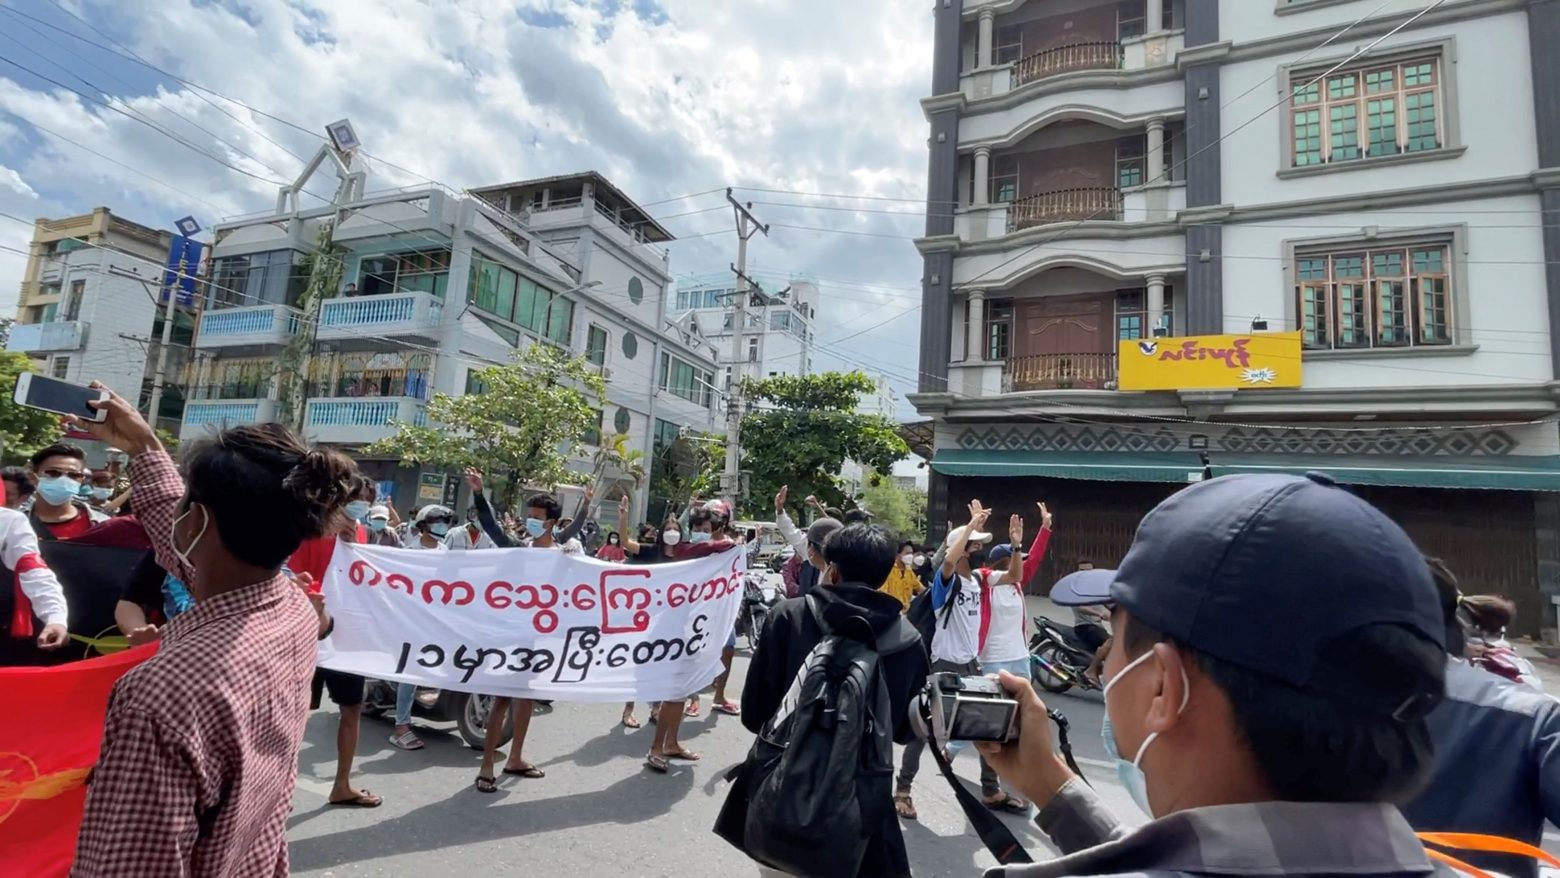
pixel 468 712
pixel 1057 658
pixel 759 596
pixel 1497 657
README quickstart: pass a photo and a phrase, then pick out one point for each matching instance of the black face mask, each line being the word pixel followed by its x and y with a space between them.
pixel 977 559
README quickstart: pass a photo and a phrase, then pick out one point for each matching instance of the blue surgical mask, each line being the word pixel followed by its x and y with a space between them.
pixel 100 494
pixel 535 527
pixel 357 510
pixel 377 524
pixel 1131 775
pixel 699 536
pixel 57 491
pixel 439 529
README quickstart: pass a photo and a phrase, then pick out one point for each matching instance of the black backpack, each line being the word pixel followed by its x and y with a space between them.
pixel 821 767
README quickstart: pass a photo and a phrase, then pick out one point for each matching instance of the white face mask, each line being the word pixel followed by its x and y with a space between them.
pixel 173 534
pixel 906 559
pixel 1131 773
pixel 671 537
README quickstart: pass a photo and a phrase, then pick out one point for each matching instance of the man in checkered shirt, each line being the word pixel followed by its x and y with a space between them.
pixel 200 743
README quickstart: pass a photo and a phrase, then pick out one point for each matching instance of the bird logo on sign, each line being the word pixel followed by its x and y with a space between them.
pixel 1148 348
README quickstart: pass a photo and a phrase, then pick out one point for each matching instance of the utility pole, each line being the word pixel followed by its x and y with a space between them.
pixel 731 477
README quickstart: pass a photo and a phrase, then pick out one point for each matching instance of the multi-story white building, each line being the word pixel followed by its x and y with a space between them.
pixel 434 285
pixel 1103 168
pixel 778 339
pixel 88 307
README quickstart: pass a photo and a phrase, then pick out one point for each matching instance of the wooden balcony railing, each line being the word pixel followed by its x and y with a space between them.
pixel 1061 372
pixel 1064 205
pixel 1066 59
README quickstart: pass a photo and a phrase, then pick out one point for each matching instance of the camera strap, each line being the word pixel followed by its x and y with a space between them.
pixel 1064 745
pixel 993 833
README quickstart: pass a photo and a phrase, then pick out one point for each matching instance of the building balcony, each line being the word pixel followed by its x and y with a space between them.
pixel 40 338
pixel 360 420
pixel 202 417
pixel 364 318
pixel 249 325
pixel 571 213
pixel 1064 205
pixel 1091 371
pixel 1104 55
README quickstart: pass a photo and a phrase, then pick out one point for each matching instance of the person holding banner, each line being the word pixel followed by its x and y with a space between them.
pixel 34 592
pixel 542 512
pixel 200 741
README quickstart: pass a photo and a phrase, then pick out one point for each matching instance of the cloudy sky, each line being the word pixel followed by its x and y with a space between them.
pixel 813 99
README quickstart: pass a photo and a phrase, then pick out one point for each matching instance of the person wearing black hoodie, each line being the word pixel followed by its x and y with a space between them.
pixel 858 558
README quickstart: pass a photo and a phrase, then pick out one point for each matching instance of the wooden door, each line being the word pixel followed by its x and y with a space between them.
pixel 1065 342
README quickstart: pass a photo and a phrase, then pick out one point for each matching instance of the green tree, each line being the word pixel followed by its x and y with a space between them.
pixel 519 427
pixel 901 510
pixel 22 430
pixel 802 428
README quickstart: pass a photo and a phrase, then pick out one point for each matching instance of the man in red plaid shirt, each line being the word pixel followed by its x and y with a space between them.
pixel 200 743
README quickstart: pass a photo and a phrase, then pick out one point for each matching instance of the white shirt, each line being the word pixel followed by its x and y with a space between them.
pixel 572 547
pixel 460 538
pixel 959 640
pixel 415 542
pixel 1005 633
pixel 17 541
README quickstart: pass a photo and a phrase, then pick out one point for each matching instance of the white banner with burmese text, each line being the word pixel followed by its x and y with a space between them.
pixel 531 623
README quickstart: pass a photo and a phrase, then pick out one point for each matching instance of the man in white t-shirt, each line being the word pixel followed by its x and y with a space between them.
pixel 959 591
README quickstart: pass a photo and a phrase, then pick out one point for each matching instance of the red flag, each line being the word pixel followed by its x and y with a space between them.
pixel 50 733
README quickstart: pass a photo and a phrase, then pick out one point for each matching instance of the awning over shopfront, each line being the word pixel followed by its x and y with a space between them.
pixel 1096 466
pixel 1511 473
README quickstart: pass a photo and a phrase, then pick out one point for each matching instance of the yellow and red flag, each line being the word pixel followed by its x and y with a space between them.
pixel 50 732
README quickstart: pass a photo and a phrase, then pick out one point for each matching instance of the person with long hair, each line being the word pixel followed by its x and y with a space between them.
pixel 226 696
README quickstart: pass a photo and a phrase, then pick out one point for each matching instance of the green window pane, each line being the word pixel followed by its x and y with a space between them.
pixel 1307 93
pixel 1341 87
pixel 1379 81
pixel 505 304
pixel 1429 261
pixel 1418 74
pixel 1419 115
pixel 1308 138
pixel 560 320
pixel 1349 266
pixel 1344 128
pixel 1313 269
pixel 1353 316
pixel 1381 119
pixel 530 304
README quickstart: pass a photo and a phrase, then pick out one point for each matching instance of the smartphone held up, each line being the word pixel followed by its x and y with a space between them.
pixel 60 397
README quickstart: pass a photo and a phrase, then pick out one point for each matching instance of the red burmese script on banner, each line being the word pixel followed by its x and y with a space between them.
pixel 50 734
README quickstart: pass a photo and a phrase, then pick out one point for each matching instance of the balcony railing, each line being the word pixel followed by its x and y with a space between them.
pixel 203 417
pixel 1061 372
pixel 362 420
pixel 396 312
pixel 1067 59
pixel 251 324
pixel 1064 205
pixel 34 338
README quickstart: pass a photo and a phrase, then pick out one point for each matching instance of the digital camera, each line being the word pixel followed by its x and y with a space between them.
pixel 960 708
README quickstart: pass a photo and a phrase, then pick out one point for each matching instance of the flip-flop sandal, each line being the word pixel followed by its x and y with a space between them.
pixel 631 723
pixel 1009 804
pixel 406 741
pixel 692 709
pixel 657 764
pixel 683 755
pixel 487 784
pixel 727 708
pixel 364 799
pixel 529 771
pixel 904 807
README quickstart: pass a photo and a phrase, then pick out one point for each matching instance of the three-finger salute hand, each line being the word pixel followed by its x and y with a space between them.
pixel 474 478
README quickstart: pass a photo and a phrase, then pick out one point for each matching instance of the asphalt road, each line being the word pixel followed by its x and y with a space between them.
pixel 598 810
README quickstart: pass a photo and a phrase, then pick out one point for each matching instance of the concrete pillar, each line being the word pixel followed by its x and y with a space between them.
pixel 982 193
pixel 983 37
pixel 975 328
pixel 1155 172
pixel 1154 16
pixel 1156 303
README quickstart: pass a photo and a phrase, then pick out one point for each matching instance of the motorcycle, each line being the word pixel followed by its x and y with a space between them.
pixel 758 598
pixel 1497 657
pixel 468 712
pixel 1057 658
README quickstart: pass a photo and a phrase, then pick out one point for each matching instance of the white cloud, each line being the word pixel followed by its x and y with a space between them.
pixel 805 95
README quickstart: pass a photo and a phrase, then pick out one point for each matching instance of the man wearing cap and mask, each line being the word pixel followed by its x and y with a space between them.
pixel 1278 647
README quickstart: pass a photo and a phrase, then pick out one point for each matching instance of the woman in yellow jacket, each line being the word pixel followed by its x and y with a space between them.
pixel 902 582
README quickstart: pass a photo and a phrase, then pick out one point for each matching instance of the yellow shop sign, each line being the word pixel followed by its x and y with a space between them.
pixel 1210 362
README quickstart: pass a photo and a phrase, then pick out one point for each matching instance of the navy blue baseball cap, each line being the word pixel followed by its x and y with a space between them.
pixel 998 554
pixel 1268 572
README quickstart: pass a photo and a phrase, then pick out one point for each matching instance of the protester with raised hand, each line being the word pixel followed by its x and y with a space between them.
pixel 1278 649
pixel 958 596
pixel 181 728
